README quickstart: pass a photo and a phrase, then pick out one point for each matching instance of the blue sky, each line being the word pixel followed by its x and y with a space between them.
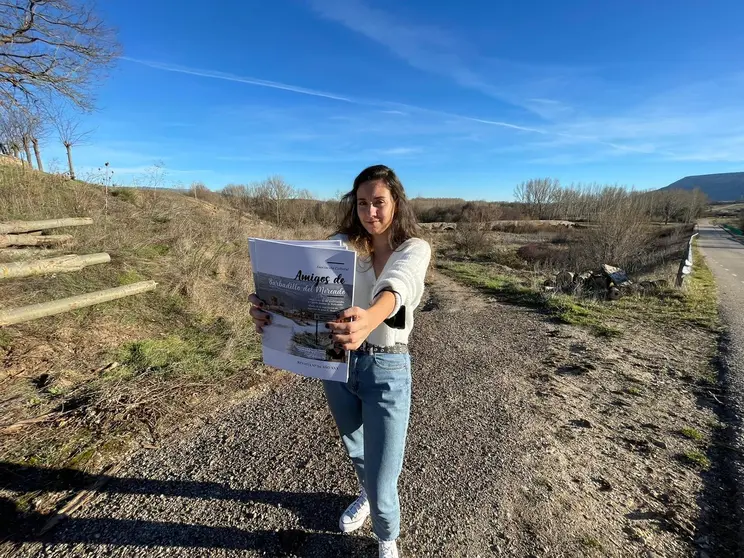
pixel 462 99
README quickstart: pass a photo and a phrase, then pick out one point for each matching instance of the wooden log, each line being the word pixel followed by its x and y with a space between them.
pixel 41 310
pixel 60 264
pixel 30 226
pixel 32 239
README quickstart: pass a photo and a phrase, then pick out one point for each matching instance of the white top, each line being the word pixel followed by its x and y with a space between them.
pixel 404 275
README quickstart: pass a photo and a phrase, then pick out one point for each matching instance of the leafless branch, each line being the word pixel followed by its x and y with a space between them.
pixel 57 47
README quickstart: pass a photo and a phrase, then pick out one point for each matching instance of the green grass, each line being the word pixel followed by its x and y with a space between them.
pixel 5 340
pixel 691 434
pixel 152 251
pixel 696 459
pixel 129 277
pixel 701 293
pixel 695 304
pixel 591 542
pixel 196 352
pixel 586 313
pixel 124 194
pixel 564 308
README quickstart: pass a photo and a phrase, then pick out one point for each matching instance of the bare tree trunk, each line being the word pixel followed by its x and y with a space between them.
pixel 14 227
pixel 15 151
pixel 27 149
pixel 61 264
pixel 69 160
pixel 33 239
pixel 26 313
pixel 39 164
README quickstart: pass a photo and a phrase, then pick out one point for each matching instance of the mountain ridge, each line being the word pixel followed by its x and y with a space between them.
pixel 728 186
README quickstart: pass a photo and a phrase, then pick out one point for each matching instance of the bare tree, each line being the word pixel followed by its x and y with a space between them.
pixel 68 129
pixel 667 204
pixel 239 197
pixel 25 141
pixel 480 212
pixel 621 234
pixel 275 193
pixel 10 132
pixel 18 124
pixel 697 201
pixel 537 194
pixel 52 48
pixel 37 152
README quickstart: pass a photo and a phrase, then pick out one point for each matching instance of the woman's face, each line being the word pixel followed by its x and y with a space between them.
pixel 375 207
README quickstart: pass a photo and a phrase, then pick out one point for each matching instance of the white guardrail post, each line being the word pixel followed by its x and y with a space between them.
pixel 685 266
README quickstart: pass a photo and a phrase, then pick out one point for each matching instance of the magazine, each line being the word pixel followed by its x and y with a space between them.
pixel 304 285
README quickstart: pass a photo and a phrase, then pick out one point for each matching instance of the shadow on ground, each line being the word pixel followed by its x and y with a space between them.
pixel 718 530
pixel 316 537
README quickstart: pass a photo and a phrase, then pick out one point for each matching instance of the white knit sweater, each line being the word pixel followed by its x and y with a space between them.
pixel 403 274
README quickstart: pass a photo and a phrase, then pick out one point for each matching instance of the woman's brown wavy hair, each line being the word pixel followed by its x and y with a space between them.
pixel 404 225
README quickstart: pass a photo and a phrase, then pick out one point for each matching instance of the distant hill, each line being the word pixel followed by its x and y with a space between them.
pixel 727 186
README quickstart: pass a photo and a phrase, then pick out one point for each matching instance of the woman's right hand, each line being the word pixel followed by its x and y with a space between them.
pixel 260 318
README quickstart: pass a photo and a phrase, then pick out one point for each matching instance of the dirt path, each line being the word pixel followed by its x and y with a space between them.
pixel 725 255
pixel 525 440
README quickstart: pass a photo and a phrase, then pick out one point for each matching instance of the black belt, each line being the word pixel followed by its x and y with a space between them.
pixel 369 348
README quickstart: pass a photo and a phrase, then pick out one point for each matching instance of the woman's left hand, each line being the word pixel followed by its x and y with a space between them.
pixel 351 328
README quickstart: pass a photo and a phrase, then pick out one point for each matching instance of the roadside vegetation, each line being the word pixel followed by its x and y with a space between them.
pixel 695 304
pixel 80 388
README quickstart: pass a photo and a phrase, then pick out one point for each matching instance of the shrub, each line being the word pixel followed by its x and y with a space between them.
pixel 479 212
pixel 519 227
pixel 124 194
pixel 620 236
pixel 472 240
pixel 198 190
pixel 537 253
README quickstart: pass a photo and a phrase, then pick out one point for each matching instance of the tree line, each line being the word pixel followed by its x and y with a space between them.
pixel 545 198
pixel 277 201
pixel 273 200
pixel 52 55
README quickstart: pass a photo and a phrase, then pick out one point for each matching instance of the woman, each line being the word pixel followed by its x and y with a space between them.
pixel 371 410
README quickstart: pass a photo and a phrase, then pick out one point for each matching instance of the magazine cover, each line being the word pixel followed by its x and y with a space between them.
pixel 303 286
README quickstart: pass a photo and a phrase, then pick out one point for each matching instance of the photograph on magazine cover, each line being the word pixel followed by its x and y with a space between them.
pixel 303 287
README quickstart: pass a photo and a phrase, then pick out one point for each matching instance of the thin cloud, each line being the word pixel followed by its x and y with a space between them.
pixel 399 151
pixel 239 79
pixel 391 107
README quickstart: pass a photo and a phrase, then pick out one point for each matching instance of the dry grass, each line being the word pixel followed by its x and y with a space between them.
pixel 97 378
pixel 694 305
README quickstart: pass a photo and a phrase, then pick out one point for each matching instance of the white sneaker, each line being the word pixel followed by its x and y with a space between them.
pixel 388 549
pixel 355 514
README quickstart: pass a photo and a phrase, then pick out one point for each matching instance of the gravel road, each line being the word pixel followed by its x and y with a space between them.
pixel 270 478
pixel 725 255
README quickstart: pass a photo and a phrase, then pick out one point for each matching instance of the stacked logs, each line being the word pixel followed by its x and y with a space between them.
pixel 30 233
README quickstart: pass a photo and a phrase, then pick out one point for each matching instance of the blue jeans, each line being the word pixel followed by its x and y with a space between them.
pixel 371 412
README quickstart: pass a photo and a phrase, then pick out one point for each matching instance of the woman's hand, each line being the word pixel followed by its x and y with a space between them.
pixel 351 328
pixel 260 318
